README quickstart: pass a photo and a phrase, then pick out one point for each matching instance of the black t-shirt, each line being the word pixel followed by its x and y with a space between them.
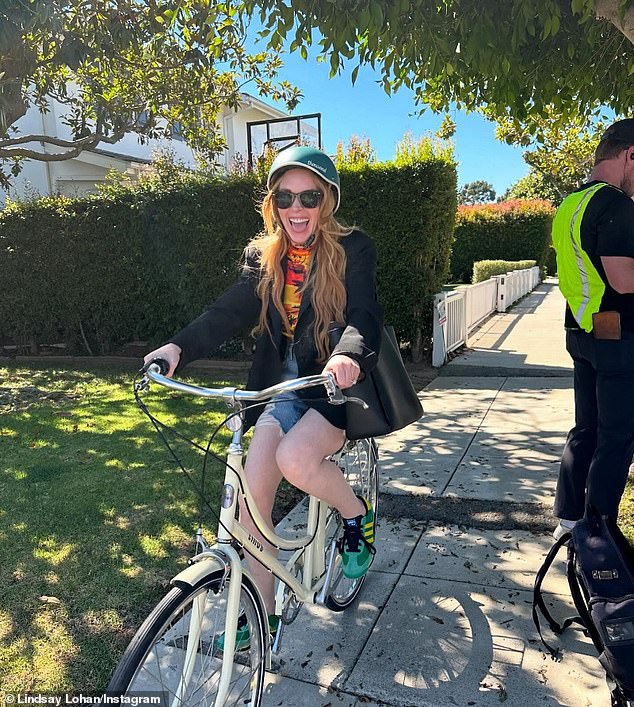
pixel 607 228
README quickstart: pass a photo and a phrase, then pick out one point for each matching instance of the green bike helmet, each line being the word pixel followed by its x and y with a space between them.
pixel 309 158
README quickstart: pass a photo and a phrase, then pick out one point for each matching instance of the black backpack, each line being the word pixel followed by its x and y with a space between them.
pixel 600 570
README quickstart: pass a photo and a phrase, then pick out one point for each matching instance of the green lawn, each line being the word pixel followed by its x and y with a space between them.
pixel 94 520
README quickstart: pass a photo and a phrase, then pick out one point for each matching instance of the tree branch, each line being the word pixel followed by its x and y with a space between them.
pixel 25 153
pixel 73 148
pixel 550 179
pixel 13 106
pixel 609 10
pixel 58 142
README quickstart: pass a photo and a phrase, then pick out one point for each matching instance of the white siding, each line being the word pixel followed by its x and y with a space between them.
pixel 80 176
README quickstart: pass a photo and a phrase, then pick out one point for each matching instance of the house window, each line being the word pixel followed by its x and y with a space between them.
pixel 176 131
pixel 143 118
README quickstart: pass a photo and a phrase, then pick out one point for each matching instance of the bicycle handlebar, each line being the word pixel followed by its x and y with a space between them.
pixel 162 365
pixel 155 371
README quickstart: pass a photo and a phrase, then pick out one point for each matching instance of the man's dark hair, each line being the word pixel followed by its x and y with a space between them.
pixel 617 137
pixel 609 148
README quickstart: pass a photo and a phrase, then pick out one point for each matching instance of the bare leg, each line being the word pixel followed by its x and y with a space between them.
pixel 263 477
pixel 299 456
pixel 301 459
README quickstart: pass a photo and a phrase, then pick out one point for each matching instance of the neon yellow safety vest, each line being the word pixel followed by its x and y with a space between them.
pixel 579 280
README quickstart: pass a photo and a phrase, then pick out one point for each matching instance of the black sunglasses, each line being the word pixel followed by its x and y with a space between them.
pixel 309 199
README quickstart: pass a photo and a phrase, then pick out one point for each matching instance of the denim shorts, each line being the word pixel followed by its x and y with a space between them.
pixel 283 411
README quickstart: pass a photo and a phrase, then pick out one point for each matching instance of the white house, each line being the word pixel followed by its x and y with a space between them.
pixel 81 175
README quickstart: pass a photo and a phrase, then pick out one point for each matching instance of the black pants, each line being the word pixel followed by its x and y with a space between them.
pixel 599 448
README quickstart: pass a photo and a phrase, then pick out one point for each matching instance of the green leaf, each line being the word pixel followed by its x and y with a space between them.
pixel 364 20
pixel 376 12
pixel 334 64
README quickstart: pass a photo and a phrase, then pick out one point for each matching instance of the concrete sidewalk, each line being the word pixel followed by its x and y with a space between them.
pixel 444 618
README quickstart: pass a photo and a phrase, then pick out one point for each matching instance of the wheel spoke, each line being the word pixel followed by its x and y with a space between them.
pixel 358 463
pixel 157 658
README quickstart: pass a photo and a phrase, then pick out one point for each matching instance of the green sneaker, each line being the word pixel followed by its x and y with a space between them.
pixel 357 544
pixel 243 637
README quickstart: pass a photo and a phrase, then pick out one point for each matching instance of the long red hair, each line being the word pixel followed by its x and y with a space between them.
pixel 327 272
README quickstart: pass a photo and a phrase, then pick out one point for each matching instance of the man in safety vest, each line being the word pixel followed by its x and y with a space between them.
pixel 593 234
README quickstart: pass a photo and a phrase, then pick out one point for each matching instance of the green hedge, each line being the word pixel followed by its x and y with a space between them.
pixel 138 264
pixel 485 269
pixel 409 211
pixel 511 230
pixel 99 272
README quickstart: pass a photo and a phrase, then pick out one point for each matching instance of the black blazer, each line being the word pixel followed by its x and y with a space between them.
pixel 238 309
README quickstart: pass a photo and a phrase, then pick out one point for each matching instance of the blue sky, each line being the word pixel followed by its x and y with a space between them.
pixel 367 111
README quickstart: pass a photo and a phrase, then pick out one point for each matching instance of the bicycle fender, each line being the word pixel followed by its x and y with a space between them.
pixel 197 571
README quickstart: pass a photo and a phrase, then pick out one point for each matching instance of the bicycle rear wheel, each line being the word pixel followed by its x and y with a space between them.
pixel 157 658
pixel 358 462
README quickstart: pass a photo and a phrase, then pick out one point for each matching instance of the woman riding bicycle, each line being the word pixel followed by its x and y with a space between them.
pixel 301 274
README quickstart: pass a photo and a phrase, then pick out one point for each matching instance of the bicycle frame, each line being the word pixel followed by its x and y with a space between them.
pixel 311 545
pixel 315 577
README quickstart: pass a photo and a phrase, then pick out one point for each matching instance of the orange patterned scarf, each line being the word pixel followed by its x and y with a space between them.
pixel 298 260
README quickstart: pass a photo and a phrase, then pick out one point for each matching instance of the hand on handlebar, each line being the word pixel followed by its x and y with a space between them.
pixel 345 370
pixel 170 353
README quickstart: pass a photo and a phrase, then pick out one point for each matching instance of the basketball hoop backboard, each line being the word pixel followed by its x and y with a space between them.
pixel 279 133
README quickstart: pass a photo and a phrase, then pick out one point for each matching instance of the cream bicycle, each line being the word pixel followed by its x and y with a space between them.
pixel 176 650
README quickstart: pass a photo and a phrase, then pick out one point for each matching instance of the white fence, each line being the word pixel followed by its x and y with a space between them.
pixel 458 313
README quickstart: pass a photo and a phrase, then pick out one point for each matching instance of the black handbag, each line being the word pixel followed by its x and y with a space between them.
pixel 387 390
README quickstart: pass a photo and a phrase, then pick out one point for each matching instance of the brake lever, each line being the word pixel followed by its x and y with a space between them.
pixel 336 396
pixel 358 401
pixel 156 366
pixel 143 384
pixel 334 392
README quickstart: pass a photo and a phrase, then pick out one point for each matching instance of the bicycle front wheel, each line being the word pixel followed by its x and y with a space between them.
pixel 358 462
pixel 177 649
